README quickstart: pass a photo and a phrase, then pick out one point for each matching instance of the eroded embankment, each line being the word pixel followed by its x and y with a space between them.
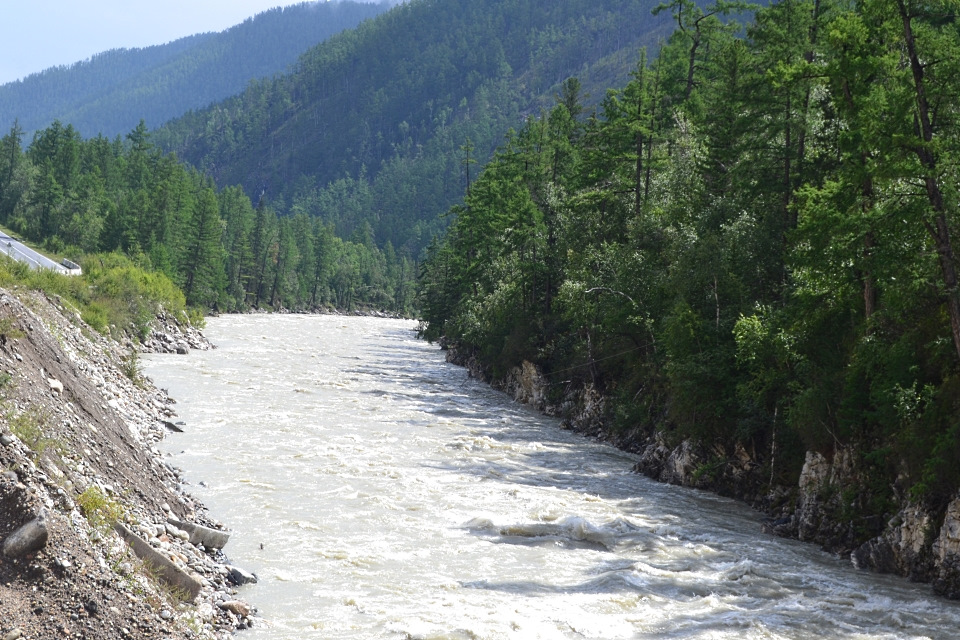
pixel 918 542
pixel 98 538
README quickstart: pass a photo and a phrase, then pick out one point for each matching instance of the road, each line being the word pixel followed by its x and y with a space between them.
pixel 22 253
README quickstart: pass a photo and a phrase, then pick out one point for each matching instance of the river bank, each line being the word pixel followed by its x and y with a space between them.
pixel 95 524
pixel 916 541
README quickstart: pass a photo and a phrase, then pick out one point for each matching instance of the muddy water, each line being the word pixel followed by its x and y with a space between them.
pixel 395 498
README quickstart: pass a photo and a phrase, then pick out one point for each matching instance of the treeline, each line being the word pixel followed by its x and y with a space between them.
pixel 366 127
pixel 751 242
pixel 82 197
pixel 112 91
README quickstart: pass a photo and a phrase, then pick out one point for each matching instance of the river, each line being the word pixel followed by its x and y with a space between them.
pixel 378 492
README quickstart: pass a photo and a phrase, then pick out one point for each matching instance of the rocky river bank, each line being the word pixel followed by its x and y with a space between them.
pixel 99 539
pixel 917 541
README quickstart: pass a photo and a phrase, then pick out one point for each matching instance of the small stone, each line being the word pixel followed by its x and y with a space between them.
pixel 13 635
pixel 237 607
pixel 7 439
pixel 166 614
pixel 55 386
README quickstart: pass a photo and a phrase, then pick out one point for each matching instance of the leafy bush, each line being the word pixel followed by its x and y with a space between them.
pixel 113 291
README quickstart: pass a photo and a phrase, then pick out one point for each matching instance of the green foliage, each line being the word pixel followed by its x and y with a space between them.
pixel 370 124
pixel 749 243
pixel 9 329
pixel 145 227
pixel 100 510
pixel 131 367
pixel 30 426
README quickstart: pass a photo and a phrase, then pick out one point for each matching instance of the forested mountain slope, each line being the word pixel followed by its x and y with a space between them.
pixel 377 128
pixel 745 267
pixel 111 92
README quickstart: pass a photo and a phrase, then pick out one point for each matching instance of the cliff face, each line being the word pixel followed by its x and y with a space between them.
pixel 78 464
pixel 921 543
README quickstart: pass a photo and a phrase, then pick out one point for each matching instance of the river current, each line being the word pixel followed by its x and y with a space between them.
pixel 378 492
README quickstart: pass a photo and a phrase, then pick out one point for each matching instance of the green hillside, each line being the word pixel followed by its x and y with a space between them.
pixel 377 125
pixel 111 92
pixel 751 251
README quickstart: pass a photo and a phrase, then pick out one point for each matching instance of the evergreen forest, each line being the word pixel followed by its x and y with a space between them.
pixel 124 196
pixel 348 229
pixel 736 222
pixel 748 243
pixel 112 91
pixel 368 127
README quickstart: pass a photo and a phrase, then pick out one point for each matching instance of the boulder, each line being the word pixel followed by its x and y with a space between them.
pixel 237 607
pixel 946 551
pixel 172 426
pixel 27 539
pixel 55 386
pixel 240 577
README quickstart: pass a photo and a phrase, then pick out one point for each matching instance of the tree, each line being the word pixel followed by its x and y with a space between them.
pixel 202 261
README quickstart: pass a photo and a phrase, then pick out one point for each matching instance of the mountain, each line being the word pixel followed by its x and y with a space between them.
pixel 376 129
pixel 112 91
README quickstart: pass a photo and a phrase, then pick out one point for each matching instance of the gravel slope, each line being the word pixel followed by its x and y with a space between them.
pixel 77 459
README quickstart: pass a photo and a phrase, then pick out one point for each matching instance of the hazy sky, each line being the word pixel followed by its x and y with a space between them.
pixel 43 33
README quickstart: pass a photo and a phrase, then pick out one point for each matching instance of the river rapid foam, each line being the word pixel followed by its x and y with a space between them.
pixel 378 492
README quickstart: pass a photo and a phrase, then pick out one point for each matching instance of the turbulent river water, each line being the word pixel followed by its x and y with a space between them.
pixel 378 492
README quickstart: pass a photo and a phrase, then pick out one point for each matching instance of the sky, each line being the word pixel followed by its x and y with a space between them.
pixel 44 33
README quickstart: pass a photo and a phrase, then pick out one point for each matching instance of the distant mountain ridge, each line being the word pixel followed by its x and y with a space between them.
pixel 374 129
pixel 112 91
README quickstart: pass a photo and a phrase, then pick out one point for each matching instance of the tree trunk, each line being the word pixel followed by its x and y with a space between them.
pixel 940 229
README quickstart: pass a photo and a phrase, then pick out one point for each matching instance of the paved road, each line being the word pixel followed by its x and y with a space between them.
pixel 22 253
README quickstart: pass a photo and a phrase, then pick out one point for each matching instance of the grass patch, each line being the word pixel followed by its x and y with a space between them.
pixel 100 510
pixel 9 330
pixel 30 427
pixel 114 294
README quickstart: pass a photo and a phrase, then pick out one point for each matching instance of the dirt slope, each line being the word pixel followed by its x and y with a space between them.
pixel 78 428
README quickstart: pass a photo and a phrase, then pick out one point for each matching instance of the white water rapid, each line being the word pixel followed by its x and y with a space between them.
pixel 396 498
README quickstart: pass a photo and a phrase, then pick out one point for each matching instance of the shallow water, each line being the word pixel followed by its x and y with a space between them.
pixel 396 498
